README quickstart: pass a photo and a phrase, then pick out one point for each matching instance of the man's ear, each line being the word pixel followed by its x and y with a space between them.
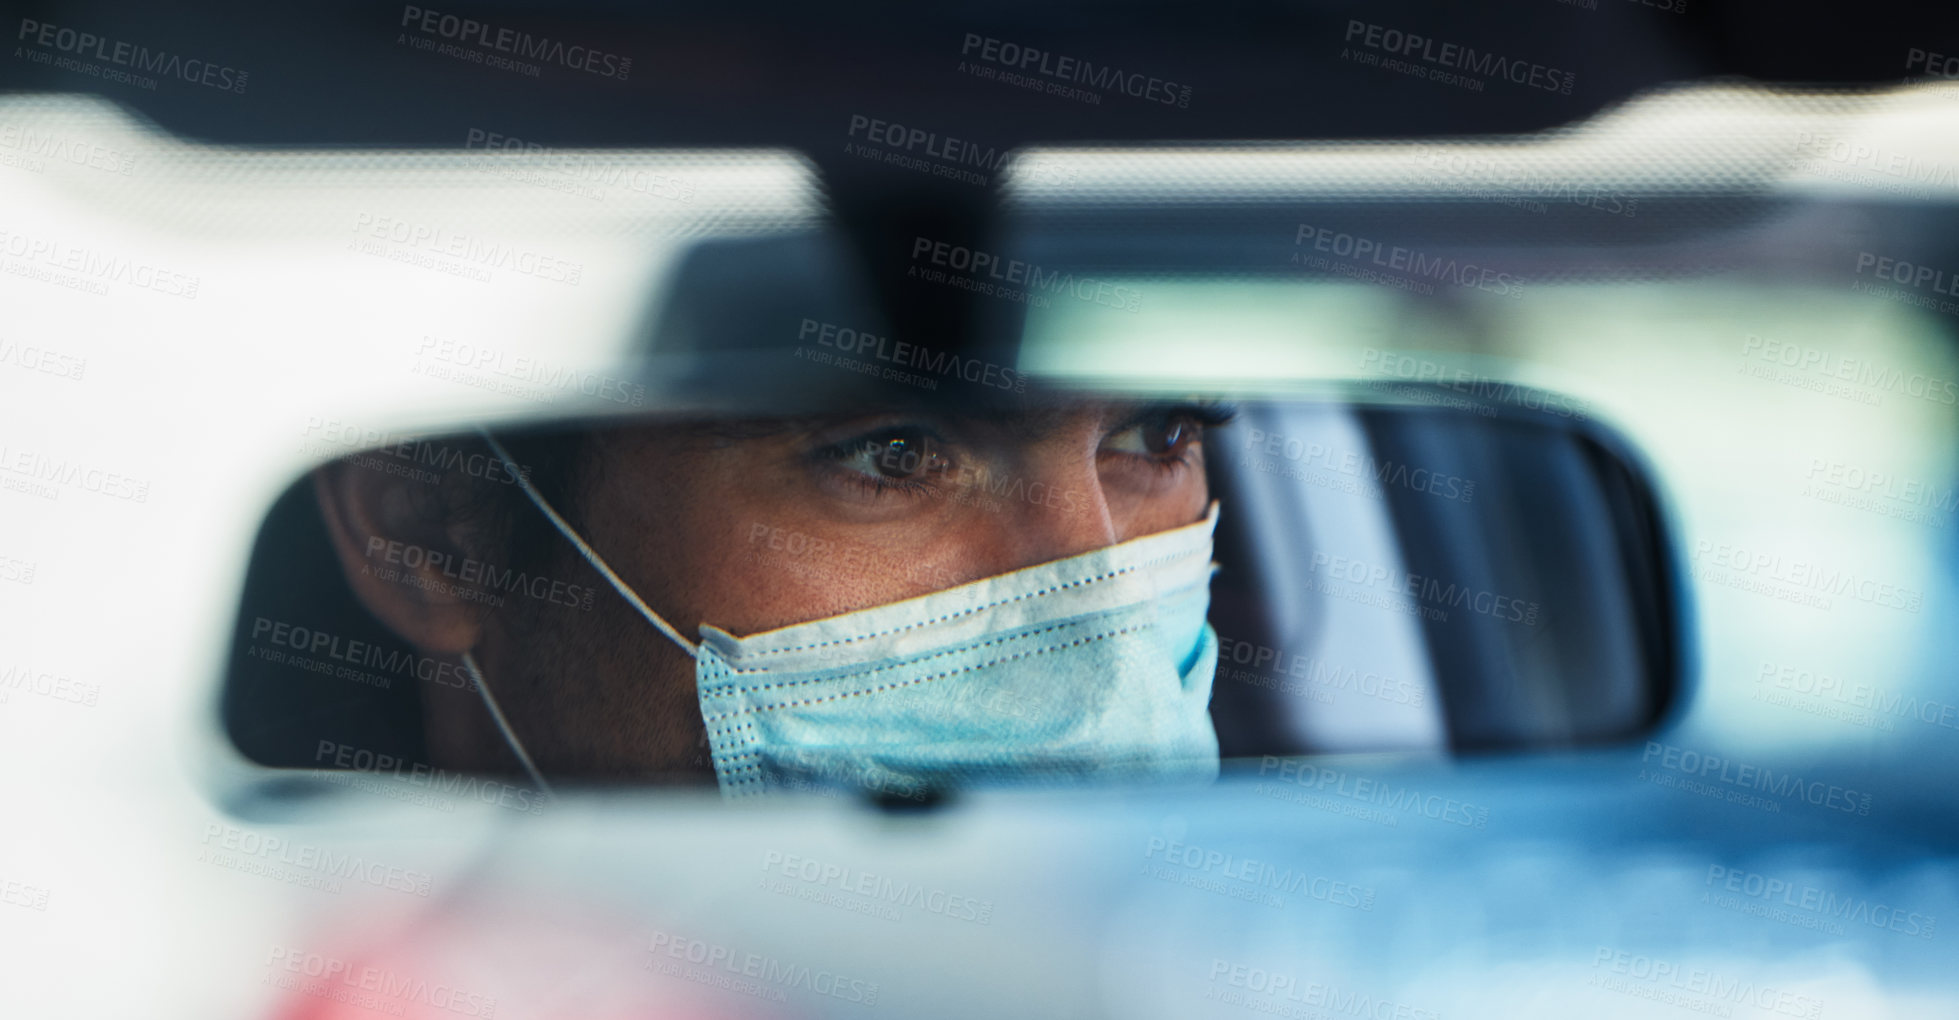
pixel 401 557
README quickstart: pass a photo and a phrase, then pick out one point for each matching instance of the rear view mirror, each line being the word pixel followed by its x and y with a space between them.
pixel 1422 574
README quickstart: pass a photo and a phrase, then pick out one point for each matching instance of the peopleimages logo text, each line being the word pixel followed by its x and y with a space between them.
pixel 471 32
pixel 1806 578
pixel 1407 260
pixel 1375 791
pixel 942 363
pixel 1931 278
pixel 1802 896
pixel 1458 57
pixel 162 63
pixel 1072 69
pixel 1259 874
pixel 994 267
pixel 916 139
pixel 1752 777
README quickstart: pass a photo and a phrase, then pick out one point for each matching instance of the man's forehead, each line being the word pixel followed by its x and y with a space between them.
pixel 1028 418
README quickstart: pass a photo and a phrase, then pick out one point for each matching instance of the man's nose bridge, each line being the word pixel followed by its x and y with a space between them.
pixel 1057 514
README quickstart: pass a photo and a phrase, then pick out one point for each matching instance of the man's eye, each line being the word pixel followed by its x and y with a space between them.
pixel 893 455
pixel 1164 436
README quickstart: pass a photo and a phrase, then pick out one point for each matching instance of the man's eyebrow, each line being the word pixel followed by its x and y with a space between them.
pixel 730 430
pixel 1114 414
pixel 1024 422
pixel 1209 412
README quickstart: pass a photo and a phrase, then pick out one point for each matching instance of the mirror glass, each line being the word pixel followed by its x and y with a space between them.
pixel 925 589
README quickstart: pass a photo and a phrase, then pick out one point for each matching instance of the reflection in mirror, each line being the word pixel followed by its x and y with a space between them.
pixel 1041 588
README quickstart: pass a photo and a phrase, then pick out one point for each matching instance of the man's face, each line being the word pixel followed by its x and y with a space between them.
pixel 758 525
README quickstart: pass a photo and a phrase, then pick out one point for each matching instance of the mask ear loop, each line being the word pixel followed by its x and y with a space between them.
pixel 591 555
pixel 503 725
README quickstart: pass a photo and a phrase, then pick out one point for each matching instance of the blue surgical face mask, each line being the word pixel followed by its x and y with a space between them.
pixel 1098 666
